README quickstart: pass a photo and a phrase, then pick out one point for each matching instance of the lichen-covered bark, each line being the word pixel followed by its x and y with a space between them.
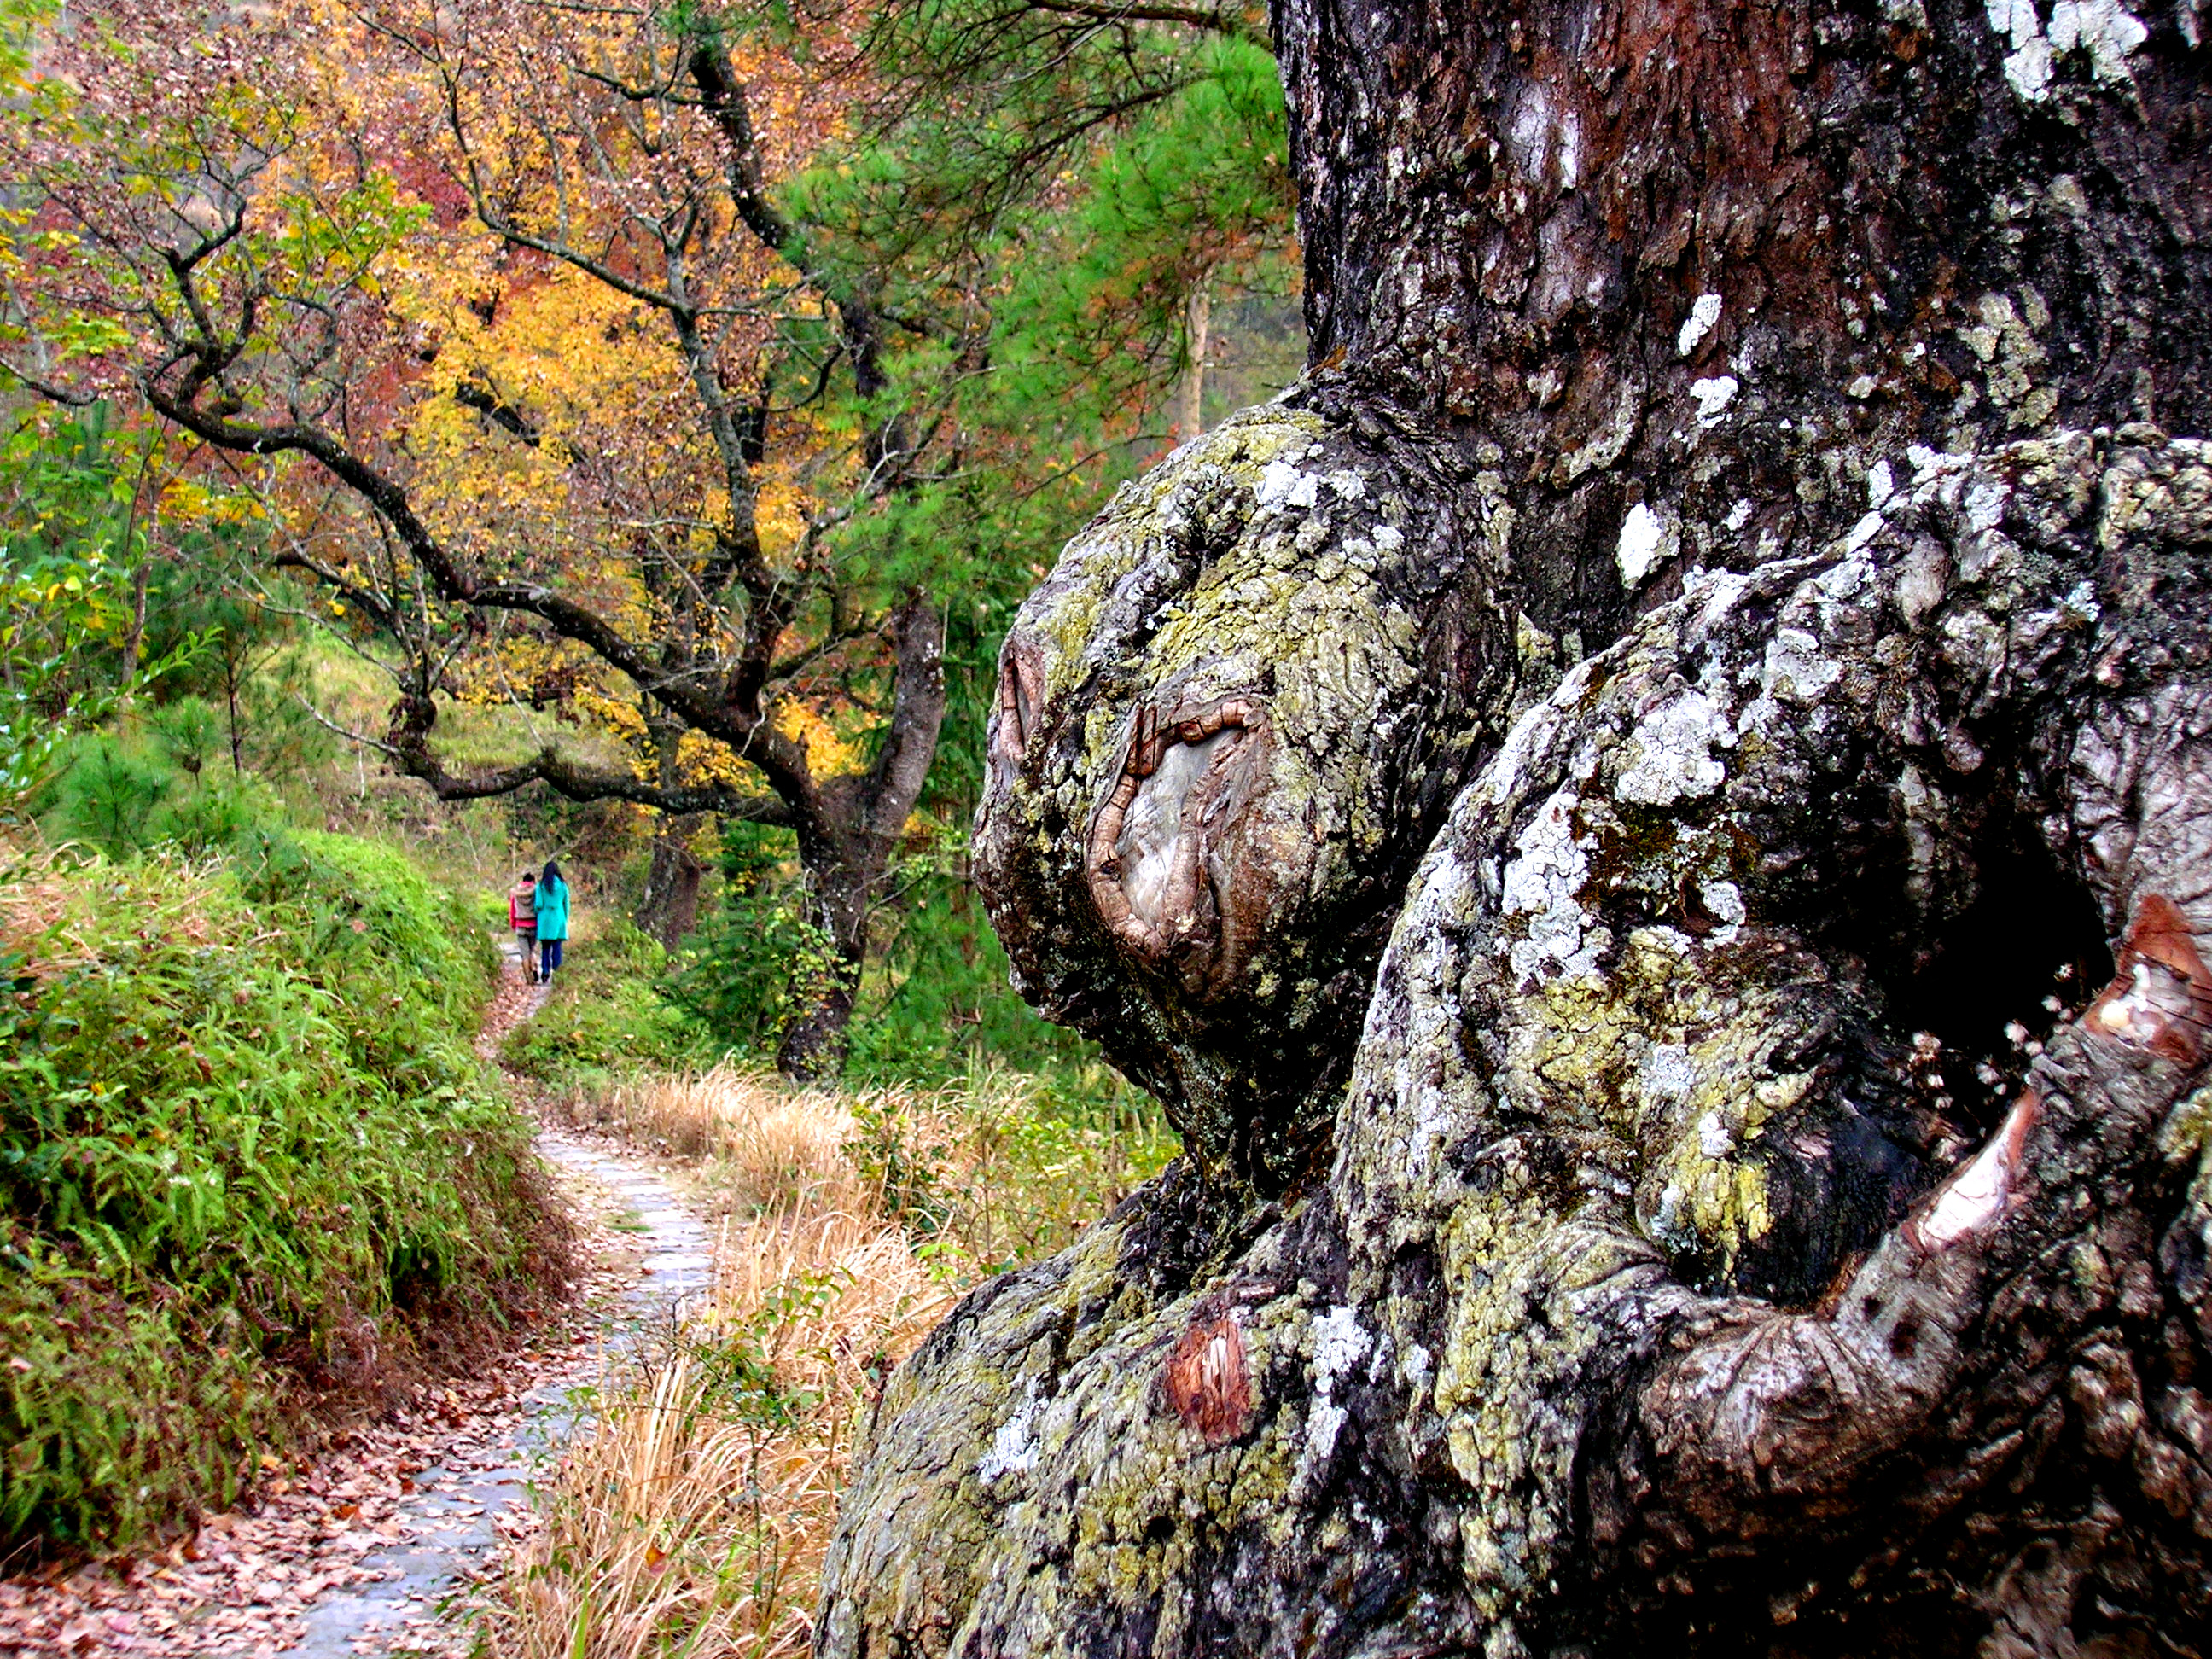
pixel 1677 936
pixel 1209 899
pixel 1603 1323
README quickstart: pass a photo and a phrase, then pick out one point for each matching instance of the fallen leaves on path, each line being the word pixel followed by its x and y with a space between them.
pixel 242 1583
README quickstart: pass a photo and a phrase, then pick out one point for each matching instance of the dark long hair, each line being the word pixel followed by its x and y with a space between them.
pixel 552 872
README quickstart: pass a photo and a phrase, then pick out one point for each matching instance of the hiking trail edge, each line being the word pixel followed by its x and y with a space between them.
pixel 372 1547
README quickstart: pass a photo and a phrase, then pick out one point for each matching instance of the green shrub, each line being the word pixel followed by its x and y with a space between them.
pixel 126 794
pixel 209 816
pixel 737 972
pixel 108 794
pixel 243 1140
pixel 1003 1167
pixel 188 732
pixel 606 1017
pixel 934 1002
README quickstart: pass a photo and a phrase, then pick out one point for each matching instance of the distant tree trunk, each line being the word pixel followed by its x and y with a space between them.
pixel 230 700
pixel 134 635
pixel 670 909
pixel 848 836
pixel 1198 326
pixel 841 887
pixel 1652 824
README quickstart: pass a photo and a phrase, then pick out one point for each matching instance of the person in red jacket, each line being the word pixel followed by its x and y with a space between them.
pixel 522 916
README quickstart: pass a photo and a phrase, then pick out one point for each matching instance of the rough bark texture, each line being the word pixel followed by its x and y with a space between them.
pixel 1720 611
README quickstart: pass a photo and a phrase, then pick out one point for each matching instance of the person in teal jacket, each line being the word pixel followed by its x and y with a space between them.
pixel 552 920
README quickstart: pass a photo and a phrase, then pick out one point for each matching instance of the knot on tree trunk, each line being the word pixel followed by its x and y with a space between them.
pixel 1227 725
pixel 1716 1237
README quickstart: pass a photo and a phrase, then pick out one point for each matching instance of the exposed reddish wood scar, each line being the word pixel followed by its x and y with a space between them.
pixel 1208 1382
pixel 1150 735
pixel 1975 1197
pixel 1021 690
pixel 2161 997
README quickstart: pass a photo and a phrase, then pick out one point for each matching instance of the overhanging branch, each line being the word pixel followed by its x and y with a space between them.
pixel 581 783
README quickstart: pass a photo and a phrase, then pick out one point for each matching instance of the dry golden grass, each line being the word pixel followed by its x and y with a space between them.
pixel 760 1144
pixel 979 1165
pixel 690 1517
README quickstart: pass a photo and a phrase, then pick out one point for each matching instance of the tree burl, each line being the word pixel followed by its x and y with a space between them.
pixel 1652 820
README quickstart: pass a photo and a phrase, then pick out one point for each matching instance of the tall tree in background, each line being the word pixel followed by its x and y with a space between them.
pixel 1076 170
pixel 583 369
pixel 227 202
pixel 1652 822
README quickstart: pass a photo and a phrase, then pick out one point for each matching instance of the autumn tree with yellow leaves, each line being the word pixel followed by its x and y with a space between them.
pixel 540 378
pixel 622 361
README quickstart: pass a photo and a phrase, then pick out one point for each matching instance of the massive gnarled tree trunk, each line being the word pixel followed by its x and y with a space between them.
pixel 1652 822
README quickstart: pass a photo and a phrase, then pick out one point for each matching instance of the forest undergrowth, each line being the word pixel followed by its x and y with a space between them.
pixel 690 1514
pixel 254 1180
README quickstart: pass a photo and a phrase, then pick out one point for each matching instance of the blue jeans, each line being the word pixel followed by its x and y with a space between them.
pixel 549 955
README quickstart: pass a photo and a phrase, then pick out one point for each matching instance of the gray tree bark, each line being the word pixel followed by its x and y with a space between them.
pixel 1652 824
pixel 670 909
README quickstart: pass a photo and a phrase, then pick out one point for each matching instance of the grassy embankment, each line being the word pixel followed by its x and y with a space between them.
pixel 252 1176
pixel 691 1515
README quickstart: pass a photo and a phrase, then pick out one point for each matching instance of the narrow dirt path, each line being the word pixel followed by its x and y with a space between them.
pixel 364 1551
pixel 464 1508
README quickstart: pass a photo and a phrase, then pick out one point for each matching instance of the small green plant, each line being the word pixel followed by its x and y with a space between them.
pixel 109 794
pixel 188 732
pixel 748 1363
pixel 910 1173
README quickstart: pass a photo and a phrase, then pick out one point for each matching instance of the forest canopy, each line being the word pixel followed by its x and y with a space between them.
pixel 697 384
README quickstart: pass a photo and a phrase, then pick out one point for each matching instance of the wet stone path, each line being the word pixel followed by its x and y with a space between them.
pixel 456 1510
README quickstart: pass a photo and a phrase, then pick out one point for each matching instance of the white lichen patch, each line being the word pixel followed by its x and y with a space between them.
pixel 1283 484
pixel 1882 484
pixel 1713 396
pixel 1723 902
pixel 2027 65
pixel 1862 533
pixel 1323 1423
pixel 1541 890
pixel 1647 541
pixel 1795 670
pixel 1013 1448
pixel 1671 753
pixel 1340 1343
pixel 2103 29
pixel 1704 312
pixel 1668 1074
